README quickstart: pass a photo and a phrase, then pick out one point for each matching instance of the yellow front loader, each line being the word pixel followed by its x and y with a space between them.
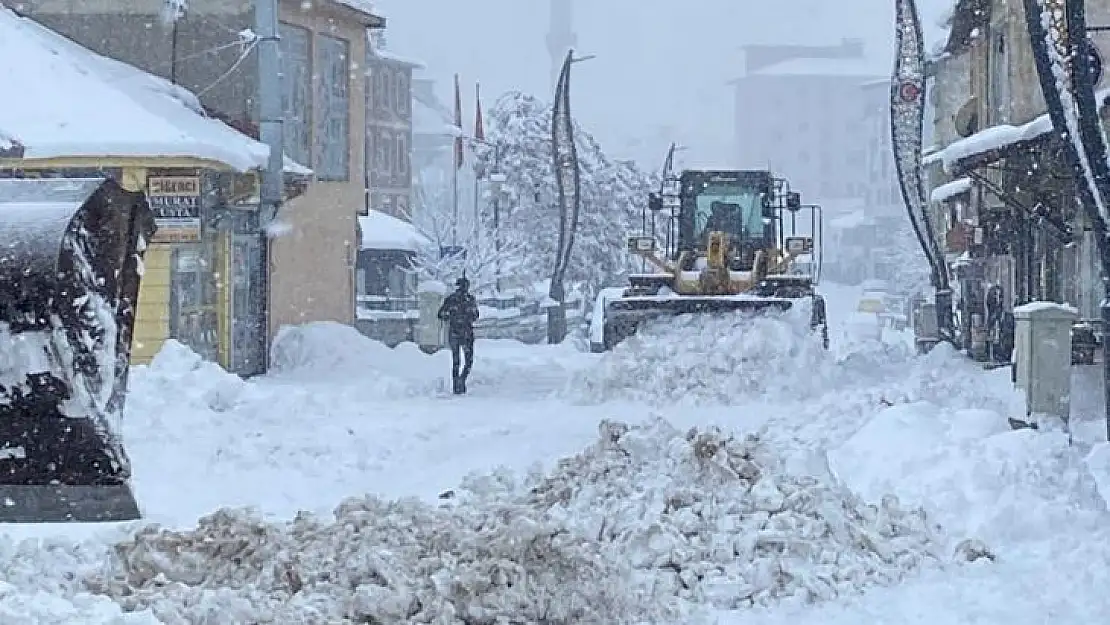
pixel 733 245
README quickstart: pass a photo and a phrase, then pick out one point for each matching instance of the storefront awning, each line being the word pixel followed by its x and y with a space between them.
pixel 998 142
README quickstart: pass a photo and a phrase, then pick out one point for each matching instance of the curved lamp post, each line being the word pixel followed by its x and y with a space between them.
pixel 907 120
pixel 568 183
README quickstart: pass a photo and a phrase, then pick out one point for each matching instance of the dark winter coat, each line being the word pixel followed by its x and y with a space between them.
pixel 460 311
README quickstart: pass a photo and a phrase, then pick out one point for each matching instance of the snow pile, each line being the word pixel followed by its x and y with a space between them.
pixel 323 350
pixel 980 477
pixel 379 562
pixel 42 584
pixel 179 375
pixel 711 358
pixel 713 519
pixel 640 523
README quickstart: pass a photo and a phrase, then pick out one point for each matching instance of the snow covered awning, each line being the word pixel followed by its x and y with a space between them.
pixel 64 101
pixel 950 190
pixel 385 232
pixel 994 143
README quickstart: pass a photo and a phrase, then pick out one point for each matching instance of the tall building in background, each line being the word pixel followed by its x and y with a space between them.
pixel 800 111
pixel 560 35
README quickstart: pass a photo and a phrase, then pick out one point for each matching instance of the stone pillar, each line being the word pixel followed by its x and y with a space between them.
pixel 428 332
pixel 1042 357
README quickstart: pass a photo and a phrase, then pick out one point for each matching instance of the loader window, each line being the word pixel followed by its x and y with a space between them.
pixel 733 209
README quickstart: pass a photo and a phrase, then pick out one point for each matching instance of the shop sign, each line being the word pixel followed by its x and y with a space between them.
pixel 175 201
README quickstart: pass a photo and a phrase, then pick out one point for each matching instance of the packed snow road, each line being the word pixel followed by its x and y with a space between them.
pixel 699 473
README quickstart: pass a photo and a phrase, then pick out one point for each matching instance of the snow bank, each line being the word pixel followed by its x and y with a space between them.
pixel 179 373
pixel 639 525
pixel 979 476
pixel 323 350
pixel 710 359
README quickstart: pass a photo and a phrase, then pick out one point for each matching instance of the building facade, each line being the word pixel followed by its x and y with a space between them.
pixel 389 109
pixel 881 193
pixel 1001 187
pixel 801 117
pixel 310 256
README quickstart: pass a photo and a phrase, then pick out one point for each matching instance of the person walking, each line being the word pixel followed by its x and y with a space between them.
pixel 460 311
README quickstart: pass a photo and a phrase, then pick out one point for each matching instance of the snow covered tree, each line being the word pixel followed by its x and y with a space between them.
pixel 483 262
pixel 613 195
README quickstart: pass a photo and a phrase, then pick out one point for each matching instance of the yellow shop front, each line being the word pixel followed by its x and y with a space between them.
pixel 189 278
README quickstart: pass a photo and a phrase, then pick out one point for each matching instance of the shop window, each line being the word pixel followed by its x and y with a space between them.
pixel 296 96
pixel 195 285
pixel 332 131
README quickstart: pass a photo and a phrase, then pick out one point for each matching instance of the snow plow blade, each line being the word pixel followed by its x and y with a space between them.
pixel 654 306
pixel 624 316
pixel 70 255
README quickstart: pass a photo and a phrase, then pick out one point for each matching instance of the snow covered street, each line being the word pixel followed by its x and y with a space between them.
pixel 611 508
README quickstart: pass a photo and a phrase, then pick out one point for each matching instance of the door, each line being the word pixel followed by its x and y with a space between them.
pixel 247 332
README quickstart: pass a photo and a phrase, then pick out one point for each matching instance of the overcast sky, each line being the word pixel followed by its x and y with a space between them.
pixel 661 68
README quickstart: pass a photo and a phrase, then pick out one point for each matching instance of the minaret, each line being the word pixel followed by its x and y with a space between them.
pixel 560 35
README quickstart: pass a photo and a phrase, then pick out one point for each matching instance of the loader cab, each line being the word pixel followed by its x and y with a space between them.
pixel 736 202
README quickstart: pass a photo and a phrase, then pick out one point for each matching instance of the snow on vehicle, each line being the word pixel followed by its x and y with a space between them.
pixel 70 257
pixel 730 252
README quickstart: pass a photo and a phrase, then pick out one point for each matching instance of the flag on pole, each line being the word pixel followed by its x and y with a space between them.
pixel 479 128
pixel 459 154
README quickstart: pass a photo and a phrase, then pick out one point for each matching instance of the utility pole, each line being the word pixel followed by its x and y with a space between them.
pixel 271 123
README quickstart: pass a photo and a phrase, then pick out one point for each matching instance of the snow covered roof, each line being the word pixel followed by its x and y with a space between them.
pixel 823 67
pixel 997 138
pixel 73 102
pixel 366 8
pixel 387 55
pixel 385 232
pixel 430 121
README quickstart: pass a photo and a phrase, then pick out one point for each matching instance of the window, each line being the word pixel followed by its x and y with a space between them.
pixel 400 95
pixel 379 87
pixel 332 132
pixel 391 147
pixel 403 159
pixel 381 155
pixel 735 209
pixel 296 93
pixel 387 90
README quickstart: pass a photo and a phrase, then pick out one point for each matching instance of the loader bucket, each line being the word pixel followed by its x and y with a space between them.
pixel 623 316
pixel 70 254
